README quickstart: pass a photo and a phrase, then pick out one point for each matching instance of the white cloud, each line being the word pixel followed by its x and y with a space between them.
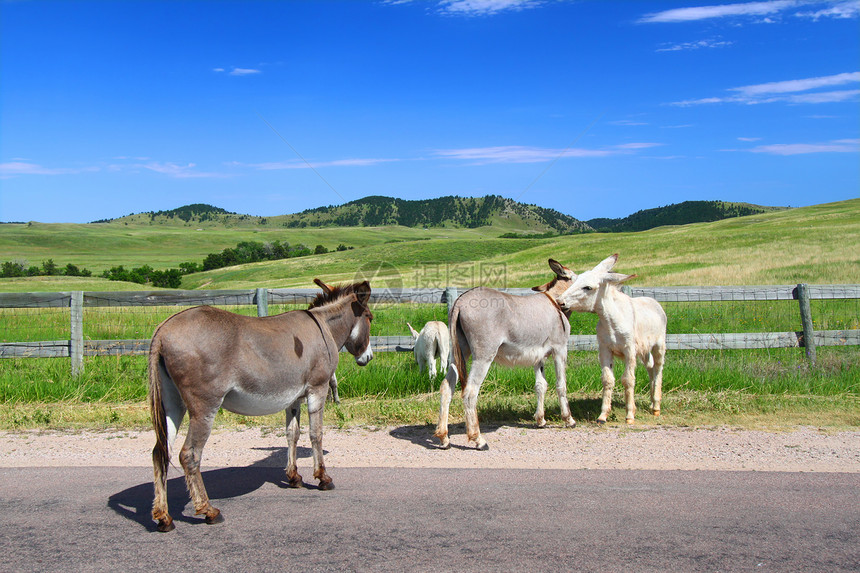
pixel 701 44
pixel 523 154
pixel 627 122
pixel 766 12
pixel 788 91
pixel 749 139
pixel 186 171
pixel 27 168
pixel 841 10
pixel 296 164
pixel 793 86
pixel 693 14
pixel 485 7
pixel 238 71
pixel 837 146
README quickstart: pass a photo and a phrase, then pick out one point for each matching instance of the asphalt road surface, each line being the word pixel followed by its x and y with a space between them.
pixel 383 519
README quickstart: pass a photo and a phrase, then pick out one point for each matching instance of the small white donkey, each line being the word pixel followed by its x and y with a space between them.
pixel 433 341
pixel 628 328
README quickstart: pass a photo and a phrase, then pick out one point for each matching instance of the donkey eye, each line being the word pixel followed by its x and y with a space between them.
pixel 586 288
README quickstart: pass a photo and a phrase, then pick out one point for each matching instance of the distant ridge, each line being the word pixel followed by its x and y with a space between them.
pixel 679 214
pixel 523 219
pixel 450 211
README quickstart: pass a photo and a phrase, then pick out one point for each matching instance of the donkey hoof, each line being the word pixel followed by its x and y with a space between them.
pixel 570 423
pixel 326 485
pixel 215 518
pixel 165 525
pixel 630 421
pixel 656 413
pixel 445 443
pixel 295 481
pixel 483 447
pixel 601 422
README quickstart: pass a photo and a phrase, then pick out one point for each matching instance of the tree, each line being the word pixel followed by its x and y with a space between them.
pixel 13 269
pixel 49 268
pixel 188 268
pixel 320 250
pixel 171 278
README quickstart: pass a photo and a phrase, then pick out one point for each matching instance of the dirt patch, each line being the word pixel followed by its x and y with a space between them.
pixel 804 449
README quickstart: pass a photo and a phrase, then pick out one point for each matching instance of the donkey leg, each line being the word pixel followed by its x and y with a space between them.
pixel 608 379
pixel 199 429
pixel 294 412
pixel 315 428
pixel 540 392
pixel 628 380
pixel 446 390
pixel 159 504
pixel 560 359
pixel 470 402
pixel 655 373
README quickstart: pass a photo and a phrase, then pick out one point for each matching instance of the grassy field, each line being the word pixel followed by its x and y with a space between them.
pixel 760 388
pixel 816 245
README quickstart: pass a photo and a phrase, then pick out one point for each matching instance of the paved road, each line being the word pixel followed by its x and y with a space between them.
pixel 97 519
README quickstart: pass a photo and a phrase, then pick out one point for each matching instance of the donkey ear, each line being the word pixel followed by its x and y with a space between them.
pixel 413 331
pixel 543 288
pixel 607 264
pixel 560 270
pixel 617 278
pixel 362 291
pixel 328 289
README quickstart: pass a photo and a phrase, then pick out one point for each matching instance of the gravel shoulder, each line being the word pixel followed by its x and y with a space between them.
pixel 800 450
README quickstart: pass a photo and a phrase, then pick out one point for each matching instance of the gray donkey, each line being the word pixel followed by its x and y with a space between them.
pixel 493 326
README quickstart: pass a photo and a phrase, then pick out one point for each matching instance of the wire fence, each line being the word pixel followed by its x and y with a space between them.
pixel 93 324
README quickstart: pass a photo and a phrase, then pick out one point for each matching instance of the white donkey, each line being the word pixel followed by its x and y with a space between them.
pixel 493 326
pixel 433 341
pixel 629 328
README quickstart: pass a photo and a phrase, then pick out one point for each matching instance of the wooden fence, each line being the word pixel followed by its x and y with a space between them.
pixel 77 347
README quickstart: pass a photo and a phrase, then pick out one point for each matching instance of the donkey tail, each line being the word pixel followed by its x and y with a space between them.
pixel 458 363
pixel 161 451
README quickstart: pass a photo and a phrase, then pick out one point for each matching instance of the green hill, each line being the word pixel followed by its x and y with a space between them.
pixel 758 249
pixel 678 214
pixel 454 212
pixel 817 244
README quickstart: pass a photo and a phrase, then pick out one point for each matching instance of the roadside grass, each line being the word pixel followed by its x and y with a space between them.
pixel 771 389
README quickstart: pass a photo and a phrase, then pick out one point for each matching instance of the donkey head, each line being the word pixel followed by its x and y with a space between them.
pixel 584 294
pixel 564 277
pixel 358 341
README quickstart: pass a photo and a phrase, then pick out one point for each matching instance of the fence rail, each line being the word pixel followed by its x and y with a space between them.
pixel 77 347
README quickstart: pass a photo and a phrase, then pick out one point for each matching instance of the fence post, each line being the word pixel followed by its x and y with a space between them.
pixel 76 332
pixel 450 297
pixel 262 297
pixel 806 322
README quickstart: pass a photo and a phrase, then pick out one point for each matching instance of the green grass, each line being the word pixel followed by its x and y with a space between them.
pixel 758 388
pixel 816 245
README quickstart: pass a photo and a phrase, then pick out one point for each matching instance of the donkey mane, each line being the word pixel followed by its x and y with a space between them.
pixel 337 292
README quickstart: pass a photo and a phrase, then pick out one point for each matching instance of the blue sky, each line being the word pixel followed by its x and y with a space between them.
pixel 593 108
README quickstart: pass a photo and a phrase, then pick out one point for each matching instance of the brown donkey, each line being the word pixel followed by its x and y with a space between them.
pixel 203 359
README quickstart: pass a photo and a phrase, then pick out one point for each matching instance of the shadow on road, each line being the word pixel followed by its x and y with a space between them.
pixel 135 503
pixel 422 435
